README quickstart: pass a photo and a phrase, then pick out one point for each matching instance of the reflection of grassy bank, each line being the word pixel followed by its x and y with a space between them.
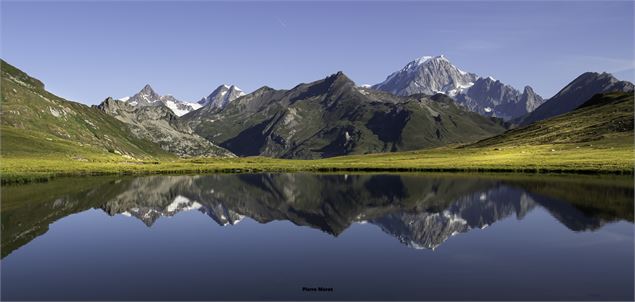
pixel 27 211
pixel 563 158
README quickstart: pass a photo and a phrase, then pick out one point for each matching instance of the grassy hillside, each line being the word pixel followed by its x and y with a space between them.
pixel 605 119
pixel 36 123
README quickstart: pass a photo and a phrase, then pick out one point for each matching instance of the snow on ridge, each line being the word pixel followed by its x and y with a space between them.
pixel 413 65
pixel 174 107
pixel 422 60
pixel 182 203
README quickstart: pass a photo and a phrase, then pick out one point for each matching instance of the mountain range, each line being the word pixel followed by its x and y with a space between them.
pixel 429 103
pixel 219 98
pixel 333 116
pixel 148 97
pixel 38 123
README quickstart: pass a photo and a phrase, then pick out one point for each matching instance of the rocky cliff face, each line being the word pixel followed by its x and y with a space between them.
pixel 159 124
pixel 531 99
pixel 493 98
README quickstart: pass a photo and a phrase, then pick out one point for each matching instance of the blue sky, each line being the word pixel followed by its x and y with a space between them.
pixel 86 51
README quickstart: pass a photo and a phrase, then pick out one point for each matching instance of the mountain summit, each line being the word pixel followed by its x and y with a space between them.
pixel 427 75
pixel 148 97
pixel 221 96
pixel 485 95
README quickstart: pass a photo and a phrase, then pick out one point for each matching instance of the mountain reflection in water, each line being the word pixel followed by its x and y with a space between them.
pixel 421 211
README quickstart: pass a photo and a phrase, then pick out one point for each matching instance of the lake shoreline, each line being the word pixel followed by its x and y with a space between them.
pixel 55 169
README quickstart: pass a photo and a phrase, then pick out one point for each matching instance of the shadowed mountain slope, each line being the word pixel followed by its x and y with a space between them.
pixel 333 117
pixel 575 94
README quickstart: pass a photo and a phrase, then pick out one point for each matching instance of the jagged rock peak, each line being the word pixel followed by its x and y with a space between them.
pixel 338 77
pixel 147 88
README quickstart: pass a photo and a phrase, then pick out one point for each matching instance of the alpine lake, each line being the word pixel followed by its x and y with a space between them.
pixel 303 236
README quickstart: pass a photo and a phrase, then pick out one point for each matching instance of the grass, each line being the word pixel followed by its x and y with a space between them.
pixel 584 158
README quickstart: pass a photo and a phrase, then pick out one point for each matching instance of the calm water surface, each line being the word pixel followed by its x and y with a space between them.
pixel 273 236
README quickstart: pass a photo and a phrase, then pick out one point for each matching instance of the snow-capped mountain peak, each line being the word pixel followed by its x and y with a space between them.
pixel 221 96
pixel 485 95
pixel 148 97
pixel 427 75
pixel 418 62
pixel 423 60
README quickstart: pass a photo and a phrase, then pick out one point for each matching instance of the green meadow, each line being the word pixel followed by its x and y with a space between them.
pixel 581 158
